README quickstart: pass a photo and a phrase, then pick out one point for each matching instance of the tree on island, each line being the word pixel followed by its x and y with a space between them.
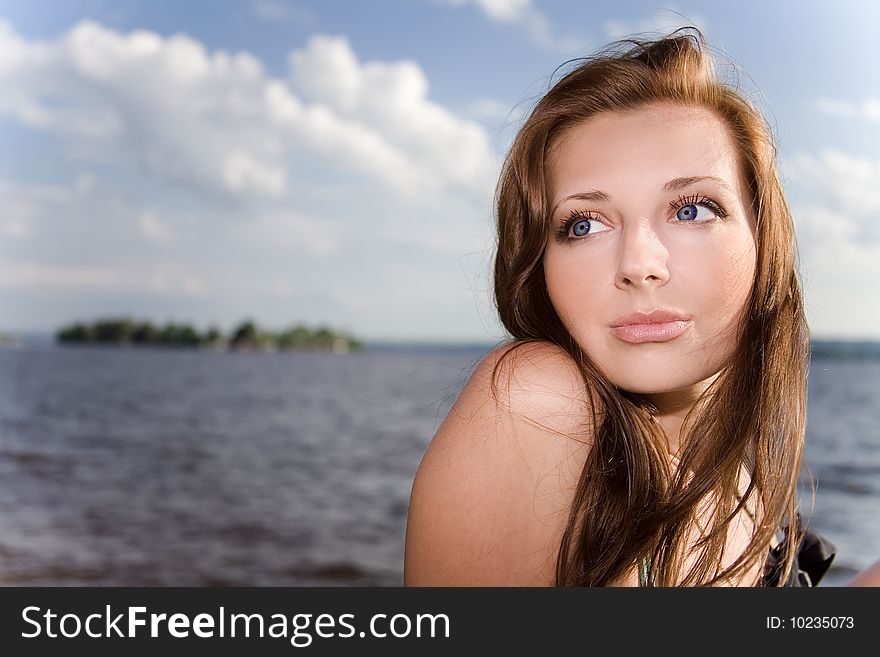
pixel 213 335
pixel 75 333
pixel 295 338
pixel 145 333
pixel 246 335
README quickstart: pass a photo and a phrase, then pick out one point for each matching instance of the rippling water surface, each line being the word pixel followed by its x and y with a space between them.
pixel 163 467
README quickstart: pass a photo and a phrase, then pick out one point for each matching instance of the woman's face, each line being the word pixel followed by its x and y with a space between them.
pixel 645 243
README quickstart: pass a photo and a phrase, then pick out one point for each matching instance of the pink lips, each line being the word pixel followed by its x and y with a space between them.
pixel 662 332
pixel 658 325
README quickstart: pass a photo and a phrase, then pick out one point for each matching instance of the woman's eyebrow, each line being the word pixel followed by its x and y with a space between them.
pixel 672 186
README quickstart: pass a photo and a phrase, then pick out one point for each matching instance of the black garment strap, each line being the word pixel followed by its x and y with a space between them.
pixel 814 557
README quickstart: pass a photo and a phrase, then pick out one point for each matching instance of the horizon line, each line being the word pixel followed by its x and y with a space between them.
pixel 414 341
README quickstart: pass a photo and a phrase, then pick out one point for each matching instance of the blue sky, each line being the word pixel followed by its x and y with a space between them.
pixel 333 162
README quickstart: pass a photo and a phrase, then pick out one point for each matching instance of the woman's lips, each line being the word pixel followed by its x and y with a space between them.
pixel 661 332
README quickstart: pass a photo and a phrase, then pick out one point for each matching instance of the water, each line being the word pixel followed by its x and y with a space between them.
pixel 843 453
pixel 162 467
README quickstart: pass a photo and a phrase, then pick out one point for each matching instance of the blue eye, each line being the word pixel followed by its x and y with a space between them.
pixel 688 208
pixel 687 212
pixel 582 227
pixel 580 224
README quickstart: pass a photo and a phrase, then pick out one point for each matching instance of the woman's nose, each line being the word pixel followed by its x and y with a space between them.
pixel 642 257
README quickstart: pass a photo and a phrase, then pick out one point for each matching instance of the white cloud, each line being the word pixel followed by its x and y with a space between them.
pixel 18 212
pixel 33 276
pixel 14 227
pixel 835 204
pixel 175 280
pixel 868 109
pixel 277 10
pixel 490 109
pixel 824 235
pixel 242 172
pixel 664 23
pixel 290 231
pixel 163 279
pixel 507 11
pixel 533 21
pixel 839 272
pixel 216 122
pixel 215 190
pixel 62 217
pixel 849 185
pixel 87 236
pixel 153 229
pixel 406 129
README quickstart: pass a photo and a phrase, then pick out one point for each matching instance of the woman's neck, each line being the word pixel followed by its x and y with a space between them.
pixel 672 409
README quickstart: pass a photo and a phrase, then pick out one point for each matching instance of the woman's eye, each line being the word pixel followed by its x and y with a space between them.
pixel 690 212
pixel 583 227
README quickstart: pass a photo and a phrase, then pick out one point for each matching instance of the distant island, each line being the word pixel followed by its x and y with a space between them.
pixel 841 350
pixel 246 336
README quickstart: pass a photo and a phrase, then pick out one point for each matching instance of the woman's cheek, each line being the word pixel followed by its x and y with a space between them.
pixel 728 283
pixel 575 289
pixel 738 273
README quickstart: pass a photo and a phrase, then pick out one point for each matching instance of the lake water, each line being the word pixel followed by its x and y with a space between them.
pixel 164 467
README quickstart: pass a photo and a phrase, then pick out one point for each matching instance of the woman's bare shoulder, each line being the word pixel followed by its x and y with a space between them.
pixel 491 496
pixel 539 379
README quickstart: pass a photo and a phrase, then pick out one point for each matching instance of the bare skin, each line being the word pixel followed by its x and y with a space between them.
pixel 490 500
pixel 491 497
pixel 692 249
pixel 868 577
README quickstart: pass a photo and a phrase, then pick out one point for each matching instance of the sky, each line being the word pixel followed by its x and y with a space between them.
pixel 333 163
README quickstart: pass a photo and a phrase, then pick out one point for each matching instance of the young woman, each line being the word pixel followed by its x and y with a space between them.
pixel 645 426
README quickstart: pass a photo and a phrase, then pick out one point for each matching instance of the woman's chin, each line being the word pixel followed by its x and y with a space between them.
pixel 653 383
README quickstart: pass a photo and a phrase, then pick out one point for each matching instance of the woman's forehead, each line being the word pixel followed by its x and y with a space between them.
pixel 658 141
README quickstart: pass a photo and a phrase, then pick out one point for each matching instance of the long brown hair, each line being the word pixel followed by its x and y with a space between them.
pixel 628 504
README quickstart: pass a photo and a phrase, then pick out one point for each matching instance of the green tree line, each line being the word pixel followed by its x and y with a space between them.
pixel 247 335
